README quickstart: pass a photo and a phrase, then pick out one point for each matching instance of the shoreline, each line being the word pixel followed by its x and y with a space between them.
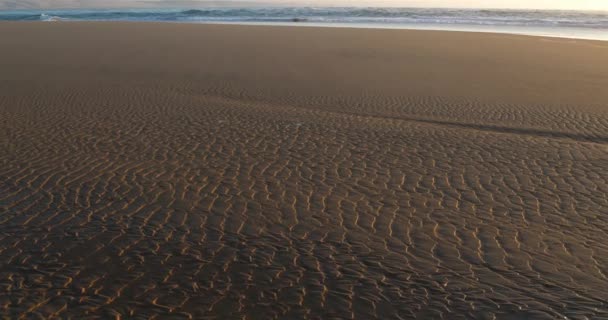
pixel 537 32
pixel 602 35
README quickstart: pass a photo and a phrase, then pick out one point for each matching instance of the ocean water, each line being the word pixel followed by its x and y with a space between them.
pixel 573 24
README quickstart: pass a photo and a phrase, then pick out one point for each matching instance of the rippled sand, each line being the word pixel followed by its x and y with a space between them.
pixel 217 172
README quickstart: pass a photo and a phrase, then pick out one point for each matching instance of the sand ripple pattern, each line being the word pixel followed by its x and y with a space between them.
pixel 219 208
pixel 138 200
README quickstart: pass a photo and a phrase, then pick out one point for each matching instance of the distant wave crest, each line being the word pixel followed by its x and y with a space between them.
pixel 572 19
pixel 46 17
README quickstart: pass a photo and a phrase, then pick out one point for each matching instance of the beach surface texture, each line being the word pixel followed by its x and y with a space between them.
pixel 184 171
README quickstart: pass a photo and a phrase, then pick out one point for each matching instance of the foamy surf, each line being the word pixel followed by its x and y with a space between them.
pixel 538 18
pixel 46 17
pixel 570 24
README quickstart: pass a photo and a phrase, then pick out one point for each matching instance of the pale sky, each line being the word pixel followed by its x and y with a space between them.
pixel 518 4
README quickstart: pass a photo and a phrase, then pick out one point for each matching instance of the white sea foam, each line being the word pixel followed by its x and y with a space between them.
pixel 576 23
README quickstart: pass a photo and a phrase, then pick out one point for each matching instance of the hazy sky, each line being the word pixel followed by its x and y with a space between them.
pixel 545 4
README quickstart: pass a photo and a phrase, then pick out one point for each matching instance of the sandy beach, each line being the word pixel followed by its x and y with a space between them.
pixel 191 171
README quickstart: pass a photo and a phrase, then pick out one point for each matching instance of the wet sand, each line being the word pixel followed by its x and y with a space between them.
pixel 222 172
